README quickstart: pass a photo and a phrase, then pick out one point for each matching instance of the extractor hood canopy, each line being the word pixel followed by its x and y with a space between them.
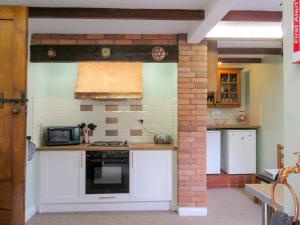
pixel 109 80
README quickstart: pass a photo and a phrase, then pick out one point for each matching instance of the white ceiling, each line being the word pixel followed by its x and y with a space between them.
pixel 249 44
pixel 92 26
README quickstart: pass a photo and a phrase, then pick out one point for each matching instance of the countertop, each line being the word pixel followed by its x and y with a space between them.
pixel 233 126
pixel 88 147
pixel 264 192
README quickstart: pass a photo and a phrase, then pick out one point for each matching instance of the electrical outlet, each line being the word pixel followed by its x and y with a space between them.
pixel 141 121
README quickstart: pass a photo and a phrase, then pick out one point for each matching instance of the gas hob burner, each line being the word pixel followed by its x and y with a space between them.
pixel 110 144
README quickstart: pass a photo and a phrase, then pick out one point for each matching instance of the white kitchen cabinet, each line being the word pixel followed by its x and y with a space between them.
pixel 239 151
pixel 213 152
pixel 62 176
pixel 151 175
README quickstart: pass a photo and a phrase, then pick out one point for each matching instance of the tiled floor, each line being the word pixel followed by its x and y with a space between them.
pixel 224 180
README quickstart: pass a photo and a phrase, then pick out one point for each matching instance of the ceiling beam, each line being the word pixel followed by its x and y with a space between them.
pixel 216 10
pixel 113 13
pixel 253 16
pixel 240 60
pixel 249 51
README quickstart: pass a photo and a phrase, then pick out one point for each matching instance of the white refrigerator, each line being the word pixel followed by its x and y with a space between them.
pixel 213 147
pixel 238 154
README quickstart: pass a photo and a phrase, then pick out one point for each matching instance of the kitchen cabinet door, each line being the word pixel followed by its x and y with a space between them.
pixel 151 176
pixel 213 152
pixel 62 176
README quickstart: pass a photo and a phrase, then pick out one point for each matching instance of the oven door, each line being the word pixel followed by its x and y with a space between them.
pixel 105 176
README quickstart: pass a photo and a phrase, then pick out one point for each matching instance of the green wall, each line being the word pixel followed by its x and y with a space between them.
pixel 265 88
pixel 291 97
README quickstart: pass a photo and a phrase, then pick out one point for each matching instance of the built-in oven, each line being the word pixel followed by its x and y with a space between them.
pixel 107 172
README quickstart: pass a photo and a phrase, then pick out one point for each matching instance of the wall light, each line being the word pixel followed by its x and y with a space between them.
pixel 246 30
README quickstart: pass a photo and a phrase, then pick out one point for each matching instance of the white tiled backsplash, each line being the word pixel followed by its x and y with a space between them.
pixel 253 113
pixel 159 116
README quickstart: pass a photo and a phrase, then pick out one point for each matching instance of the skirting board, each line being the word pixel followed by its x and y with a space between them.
pixel 98 207
pixel 192 211
pixel 29 213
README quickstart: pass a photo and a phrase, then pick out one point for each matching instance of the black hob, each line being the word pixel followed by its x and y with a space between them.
pixel 110 144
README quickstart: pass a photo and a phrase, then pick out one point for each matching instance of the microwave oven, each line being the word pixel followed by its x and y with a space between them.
pixel 57 136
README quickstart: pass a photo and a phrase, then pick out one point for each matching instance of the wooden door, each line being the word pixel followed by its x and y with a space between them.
pixel 13 48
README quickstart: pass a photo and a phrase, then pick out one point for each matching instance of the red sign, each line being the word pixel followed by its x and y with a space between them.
pixel 296 56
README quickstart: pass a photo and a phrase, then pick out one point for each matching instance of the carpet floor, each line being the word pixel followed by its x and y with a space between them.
pixel 225 207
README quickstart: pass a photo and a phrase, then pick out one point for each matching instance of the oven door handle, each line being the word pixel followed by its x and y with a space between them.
pixel 108 197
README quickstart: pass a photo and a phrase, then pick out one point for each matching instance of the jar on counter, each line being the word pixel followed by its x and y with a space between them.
pixel 242 117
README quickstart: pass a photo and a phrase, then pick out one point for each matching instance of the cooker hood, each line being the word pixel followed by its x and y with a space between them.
pixel 109 80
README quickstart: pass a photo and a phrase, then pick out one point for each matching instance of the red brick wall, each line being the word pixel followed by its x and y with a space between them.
pixel 192 112
pixel 192 108
pixel 104 39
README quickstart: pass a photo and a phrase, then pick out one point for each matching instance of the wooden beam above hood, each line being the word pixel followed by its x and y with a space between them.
pixel 114 13
pixel 117 53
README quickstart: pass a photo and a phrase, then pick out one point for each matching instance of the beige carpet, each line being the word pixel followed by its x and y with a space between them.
pixel 225 207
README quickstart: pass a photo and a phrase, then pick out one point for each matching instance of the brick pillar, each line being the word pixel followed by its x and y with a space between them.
pixel 192 113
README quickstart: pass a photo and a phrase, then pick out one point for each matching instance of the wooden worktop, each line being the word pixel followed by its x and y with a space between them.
pixel 233 126
pixel 88 147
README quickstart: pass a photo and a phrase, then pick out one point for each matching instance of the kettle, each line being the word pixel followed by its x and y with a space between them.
pixel 162 139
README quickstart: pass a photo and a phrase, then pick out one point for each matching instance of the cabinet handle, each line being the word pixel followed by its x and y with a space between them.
pixel 108 197
pixel 131 159
pixel 81 160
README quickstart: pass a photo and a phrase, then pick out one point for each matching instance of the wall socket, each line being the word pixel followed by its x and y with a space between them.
pixel 141 121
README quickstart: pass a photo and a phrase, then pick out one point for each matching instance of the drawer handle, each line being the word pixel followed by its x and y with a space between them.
pixel 109 197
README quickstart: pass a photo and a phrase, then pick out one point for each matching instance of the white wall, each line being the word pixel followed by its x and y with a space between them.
pixel 291 96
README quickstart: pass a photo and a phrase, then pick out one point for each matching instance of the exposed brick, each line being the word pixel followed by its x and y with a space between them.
pixel 123 42
pixel 86 42
pixel 104 42
pixel 151 36
pixel 35 41
pixel 172 42
pixel 159 42
pixel 133 36
pixel 142 42
pixel 95 36
pixel 192 117
pixel 66 41
pixel 114 36
pixel 49 41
